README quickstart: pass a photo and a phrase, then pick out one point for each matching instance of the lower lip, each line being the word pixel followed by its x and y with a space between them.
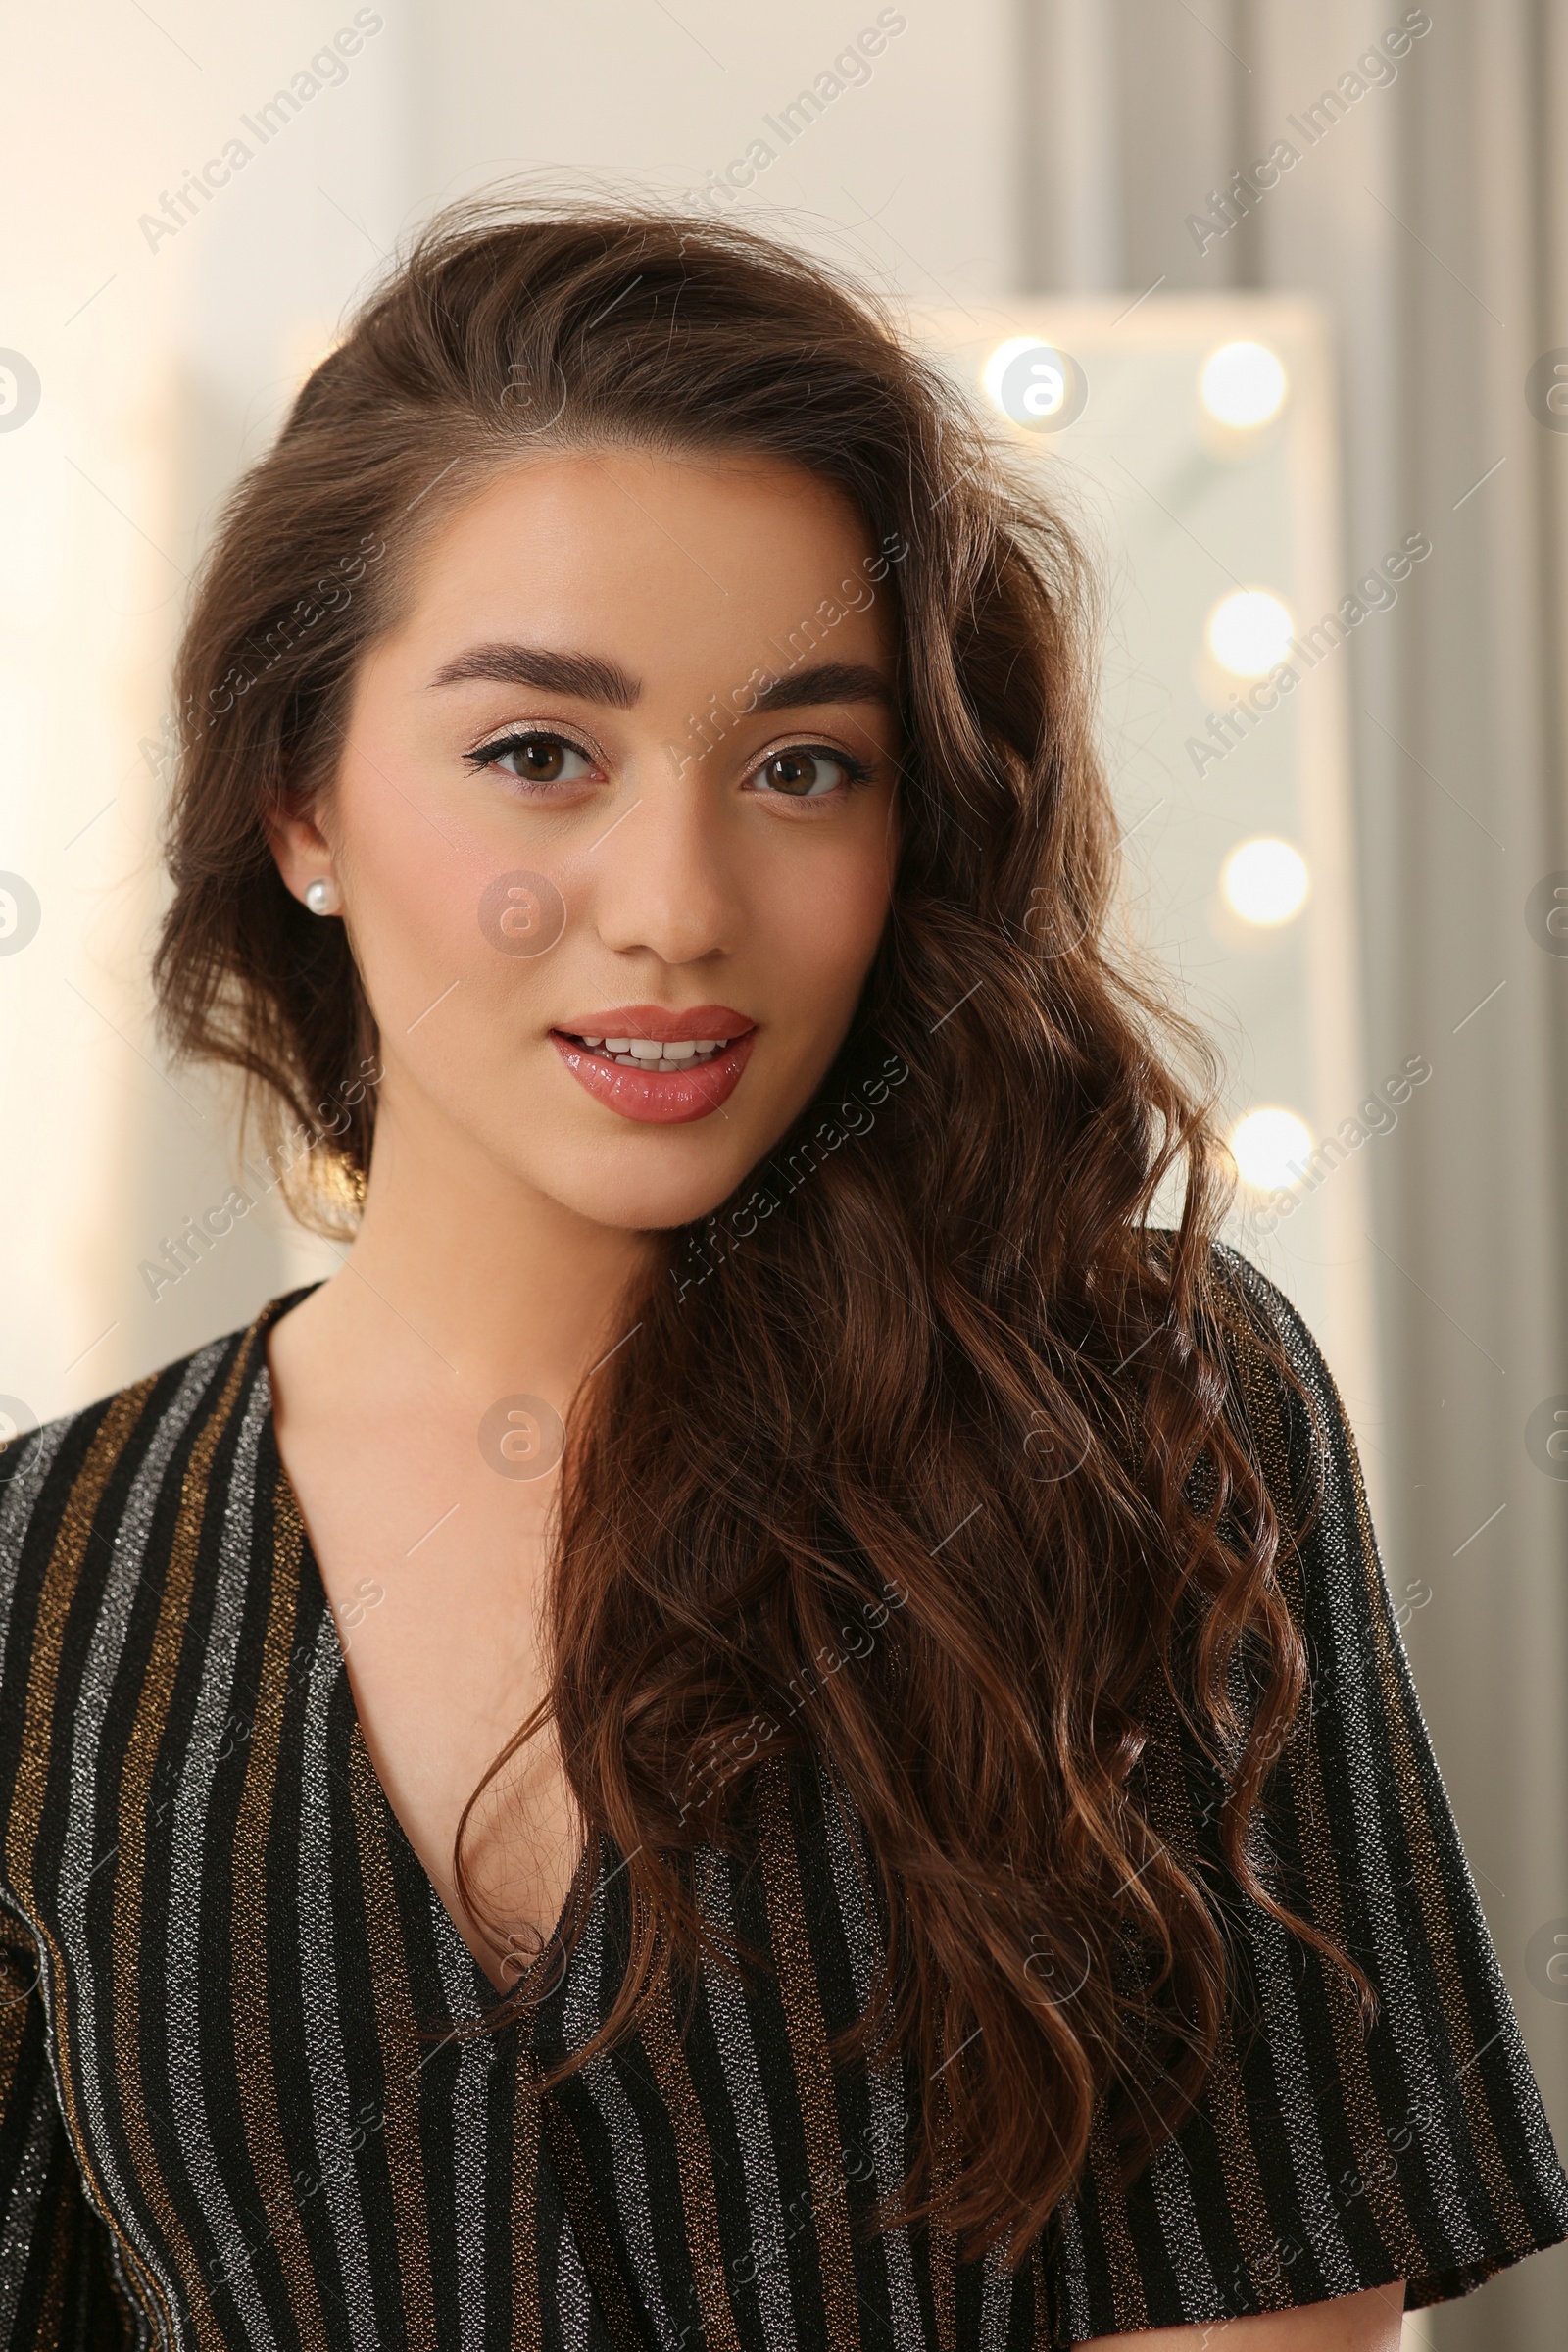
pixel 663 1098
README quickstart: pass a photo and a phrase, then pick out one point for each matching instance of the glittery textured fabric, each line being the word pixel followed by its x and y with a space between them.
pixel 237 2108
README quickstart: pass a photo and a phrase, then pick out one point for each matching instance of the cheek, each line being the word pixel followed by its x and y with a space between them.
pixel 420 890
pixel 821 926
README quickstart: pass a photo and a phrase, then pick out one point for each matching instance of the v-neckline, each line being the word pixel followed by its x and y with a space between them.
pixel 313 1584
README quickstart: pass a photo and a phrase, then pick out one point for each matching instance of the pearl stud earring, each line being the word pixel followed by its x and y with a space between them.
pixel 321 895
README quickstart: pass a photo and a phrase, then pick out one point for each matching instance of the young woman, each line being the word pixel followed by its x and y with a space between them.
pixel 770 1722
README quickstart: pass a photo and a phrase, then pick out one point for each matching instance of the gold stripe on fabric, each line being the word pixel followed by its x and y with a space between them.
pixel 694 2157
pixel 1171 1813
pixel 810 2056
pixel 154 1700
pixel 1128 2307
pixel 403 2053
pixel 1442 1944
pixel 525 2324
pixel 1383 2197
pixel 255 2063
pixel 22 1829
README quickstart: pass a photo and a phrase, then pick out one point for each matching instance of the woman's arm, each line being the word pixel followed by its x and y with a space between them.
pixel 1372 2322
pixel 1326 2152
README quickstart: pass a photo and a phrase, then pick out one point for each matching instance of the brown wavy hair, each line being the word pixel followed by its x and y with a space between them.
pixel 931 1370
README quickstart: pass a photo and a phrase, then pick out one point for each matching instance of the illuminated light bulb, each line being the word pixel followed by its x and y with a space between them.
pixel 1242 385
pixel 1249 631
pixel 1265 881
pixel 1271 1148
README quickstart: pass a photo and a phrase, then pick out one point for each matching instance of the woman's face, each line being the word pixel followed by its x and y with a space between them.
pixel 615 826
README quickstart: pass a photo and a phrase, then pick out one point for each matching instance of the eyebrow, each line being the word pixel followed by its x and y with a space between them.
pixel 594 679
pixel 586 675
pixel 827 682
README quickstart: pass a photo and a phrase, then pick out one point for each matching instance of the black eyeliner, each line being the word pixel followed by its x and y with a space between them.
pixel 488 752
pixel 854 769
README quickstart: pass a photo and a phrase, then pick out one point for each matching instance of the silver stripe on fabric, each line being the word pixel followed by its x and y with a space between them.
pixel 1346 1574
pixel 573 2304
pixel 1286 2045
pixel 1072 2271
pixel 78 1864
pixel 996 2299
pixel 470 2115
pixel 743 2079
pixel 331 2100
pixel 1172 2185
pixel 190 1875
pixel 580 2011
pixel 862 1937
pixel 35 1459
pixel 45 2134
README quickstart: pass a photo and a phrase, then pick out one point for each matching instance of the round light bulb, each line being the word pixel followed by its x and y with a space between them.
pixel 1242 385
pixel 1249 632
pixel 1271 1148
pixel 1265 881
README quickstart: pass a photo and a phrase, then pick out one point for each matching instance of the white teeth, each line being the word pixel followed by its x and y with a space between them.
pixel 656 1054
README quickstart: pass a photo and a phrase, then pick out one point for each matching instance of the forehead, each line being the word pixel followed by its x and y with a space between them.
pixel 658 560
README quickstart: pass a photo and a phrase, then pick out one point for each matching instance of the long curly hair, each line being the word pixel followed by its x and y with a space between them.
pixel 923 1463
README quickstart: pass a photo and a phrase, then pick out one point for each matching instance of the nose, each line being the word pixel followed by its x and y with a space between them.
pixel 662 880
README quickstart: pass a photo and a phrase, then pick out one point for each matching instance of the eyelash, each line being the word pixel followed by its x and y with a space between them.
pixel 855 772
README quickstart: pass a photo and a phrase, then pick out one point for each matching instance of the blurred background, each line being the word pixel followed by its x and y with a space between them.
pixel 1277 297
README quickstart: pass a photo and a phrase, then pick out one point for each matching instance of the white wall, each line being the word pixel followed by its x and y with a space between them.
pixel 166 358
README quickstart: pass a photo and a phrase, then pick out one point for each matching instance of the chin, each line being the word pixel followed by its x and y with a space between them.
pixel 613 1189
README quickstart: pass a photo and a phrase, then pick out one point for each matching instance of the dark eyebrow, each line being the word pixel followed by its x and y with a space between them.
pixel 585 675
pixel 827 682
pixel 595 680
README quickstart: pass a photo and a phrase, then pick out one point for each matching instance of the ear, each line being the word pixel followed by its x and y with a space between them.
pixel 300 849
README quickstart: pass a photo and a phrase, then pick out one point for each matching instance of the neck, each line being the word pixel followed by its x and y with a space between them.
pixel 464 1283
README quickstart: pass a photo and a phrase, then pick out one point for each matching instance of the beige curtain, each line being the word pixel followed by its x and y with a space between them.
pixel 1431 213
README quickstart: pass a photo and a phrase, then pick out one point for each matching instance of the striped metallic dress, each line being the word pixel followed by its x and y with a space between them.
pixel 240 2104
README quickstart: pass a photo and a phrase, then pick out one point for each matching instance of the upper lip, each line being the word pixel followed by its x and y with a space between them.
pixel 718 1022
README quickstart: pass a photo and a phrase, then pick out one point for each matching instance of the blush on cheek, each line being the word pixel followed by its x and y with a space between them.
pixel 434 904
pixel 826 942
pixel 859 906
pixel 450 951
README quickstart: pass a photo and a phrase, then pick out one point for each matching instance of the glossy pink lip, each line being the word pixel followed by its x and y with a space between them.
pixel 662 1097
pixel 718 1021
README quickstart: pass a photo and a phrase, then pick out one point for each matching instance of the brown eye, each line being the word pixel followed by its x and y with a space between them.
pixel 791 771
pixel 534 759
pixel 804 774
pixel 541 758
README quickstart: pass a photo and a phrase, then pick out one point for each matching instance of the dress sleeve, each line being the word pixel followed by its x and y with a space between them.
pixel 1325 2156
pixel 55 2283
